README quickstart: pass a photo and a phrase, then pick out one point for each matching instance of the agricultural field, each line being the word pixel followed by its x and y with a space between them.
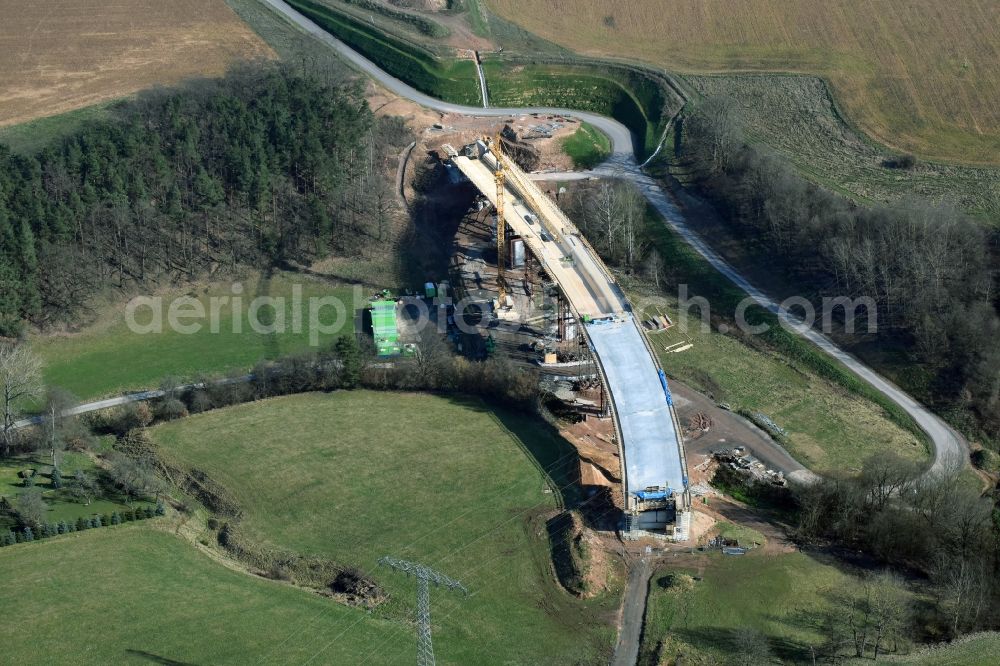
pixel 135 594
pixel 56 59
pixel 915 74
pixel 448 482
pixel 795 116
pixel 785 597
pixel 107 357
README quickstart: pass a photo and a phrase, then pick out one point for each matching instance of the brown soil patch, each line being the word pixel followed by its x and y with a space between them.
pixel 62 55
pixel 599 461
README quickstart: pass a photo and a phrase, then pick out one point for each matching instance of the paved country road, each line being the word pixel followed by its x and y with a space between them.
pixel 949 448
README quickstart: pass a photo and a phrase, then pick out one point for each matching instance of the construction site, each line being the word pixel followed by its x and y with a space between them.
pixel 528 283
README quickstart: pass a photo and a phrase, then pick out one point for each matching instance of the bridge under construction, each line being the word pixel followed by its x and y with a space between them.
pixel 653 466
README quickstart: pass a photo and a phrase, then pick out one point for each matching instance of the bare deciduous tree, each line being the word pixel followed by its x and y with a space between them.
pixel 751 648
pixel 20 381
pixel 654 266
pixel 30 507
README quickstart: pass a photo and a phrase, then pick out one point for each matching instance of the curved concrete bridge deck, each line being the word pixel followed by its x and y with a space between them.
pixel 649 439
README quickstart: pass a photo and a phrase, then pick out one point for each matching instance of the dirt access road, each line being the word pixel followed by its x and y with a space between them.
pixel 633 613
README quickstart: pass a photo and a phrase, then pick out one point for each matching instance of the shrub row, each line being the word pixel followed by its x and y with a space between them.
pixel 345 366
pixel 47 530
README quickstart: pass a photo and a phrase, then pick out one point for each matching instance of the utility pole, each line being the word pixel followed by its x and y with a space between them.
pixel 425 576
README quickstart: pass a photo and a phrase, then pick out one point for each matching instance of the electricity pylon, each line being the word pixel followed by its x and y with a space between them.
pixel 425 576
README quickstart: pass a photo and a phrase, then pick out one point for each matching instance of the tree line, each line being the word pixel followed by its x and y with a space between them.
pixel 266 165
pixel 935 526
pixel 928 267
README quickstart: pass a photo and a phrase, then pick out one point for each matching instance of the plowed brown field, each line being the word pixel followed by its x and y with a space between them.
pixel 59 55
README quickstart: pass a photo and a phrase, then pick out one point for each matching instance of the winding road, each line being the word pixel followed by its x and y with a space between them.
pixel 949 448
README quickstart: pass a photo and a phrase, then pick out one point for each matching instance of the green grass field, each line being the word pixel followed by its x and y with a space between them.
pixel 627 95
pixel 137 595
pixel 829 429
pixel 108 357
pixel 353 476
pixel 833 420
pixel 746 536
pixel 587 147
pixel 781 596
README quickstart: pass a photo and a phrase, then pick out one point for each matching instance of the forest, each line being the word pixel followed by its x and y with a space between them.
pixel 266 166
pixel 928 268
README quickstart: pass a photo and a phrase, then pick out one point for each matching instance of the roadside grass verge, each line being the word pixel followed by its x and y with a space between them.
pixel 587 147
pixel 631 96
pixel 293 45
pixel 371 10
pixel 784 597
pixel 134 594
pixel 451 483
pixel 106 357
pixel 833 419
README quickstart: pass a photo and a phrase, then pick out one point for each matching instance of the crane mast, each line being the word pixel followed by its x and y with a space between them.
pixel 498 177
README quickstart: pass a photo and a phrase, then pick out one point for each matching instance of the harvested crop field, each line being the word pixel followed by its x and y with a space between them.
pixel 59 56
pixel 919 75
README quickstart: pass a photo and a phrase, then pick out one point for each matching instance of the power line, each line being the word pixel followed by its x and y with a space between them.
pixel 425 576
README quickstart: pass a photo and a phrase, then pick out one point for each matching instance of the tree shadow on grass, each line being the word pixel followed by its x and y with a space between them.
pixel 552 455
pixel 556 458
pixel 157 659
pixel 726 640
pixel 829 621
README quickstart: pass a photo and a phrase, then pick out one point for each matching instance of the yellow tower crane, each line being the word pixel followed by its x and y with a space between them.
pixel 498 177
